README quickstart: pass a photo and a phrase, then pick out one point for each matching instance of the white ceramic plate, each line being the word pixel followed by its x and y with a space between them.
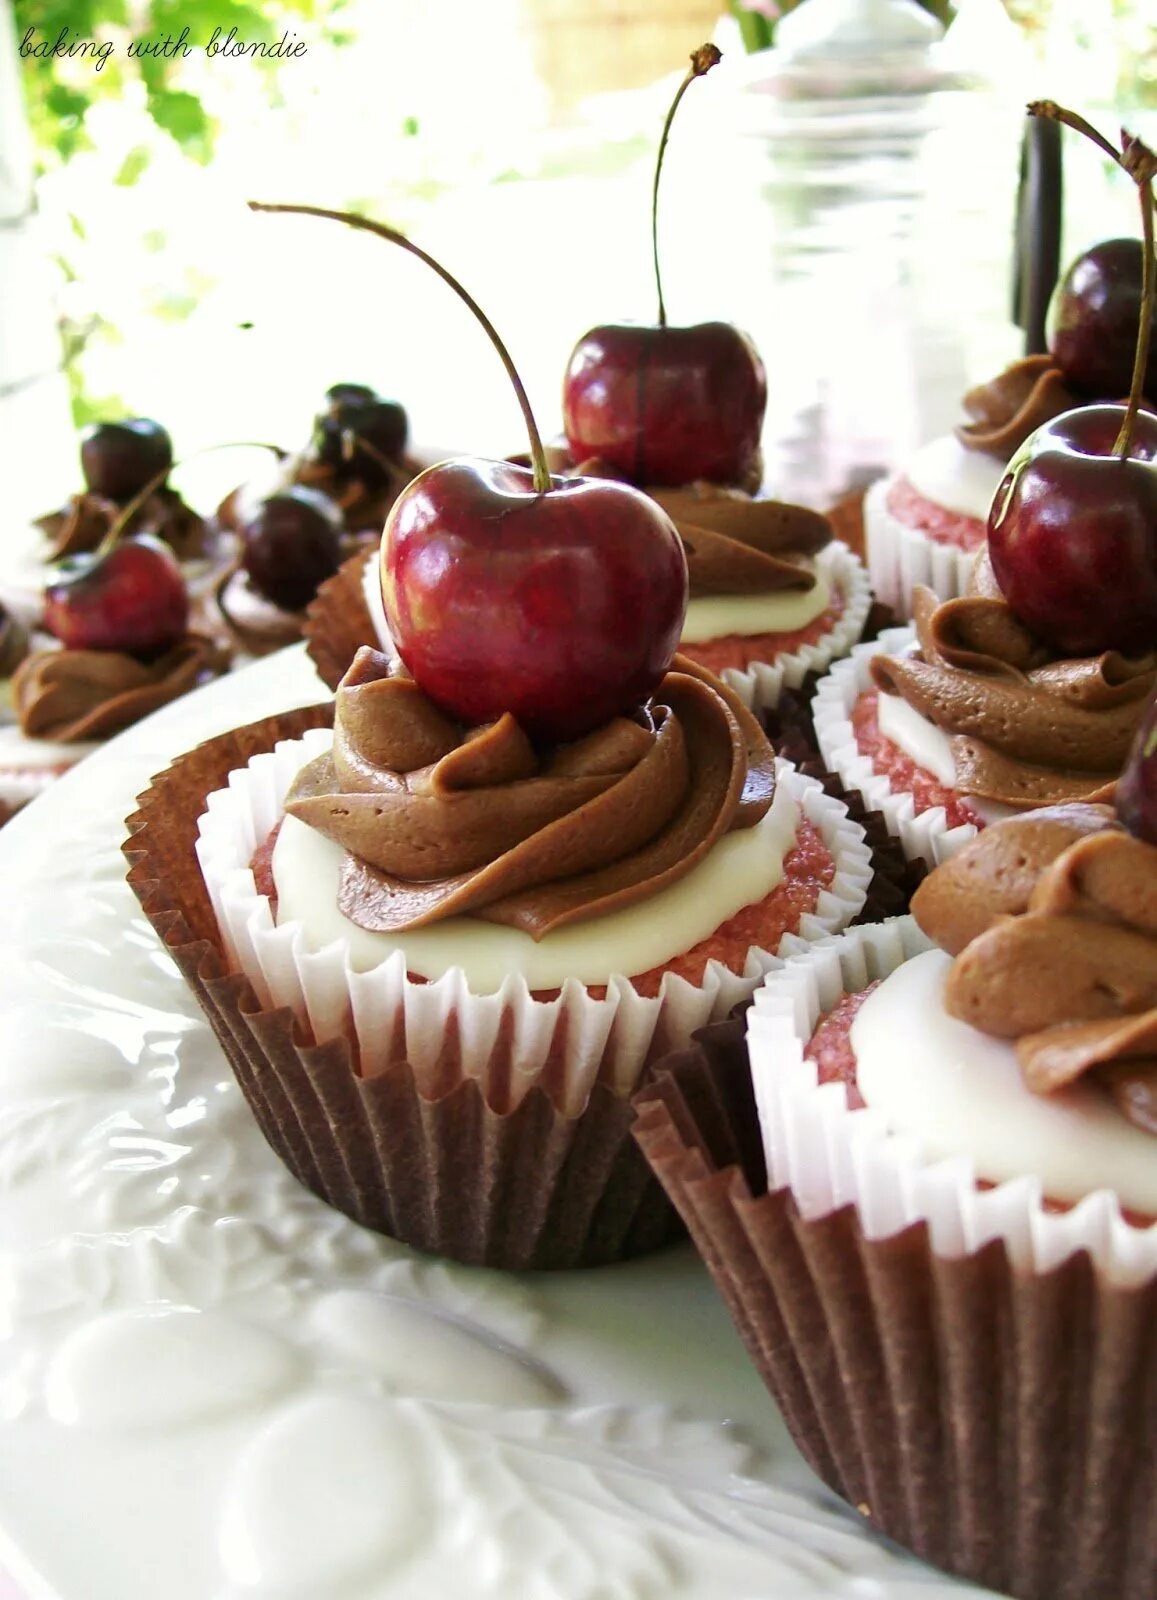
pixel 212 1387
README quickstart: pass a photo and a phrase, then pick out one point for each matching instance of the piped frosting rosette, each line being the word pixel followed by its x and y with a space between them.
pixel 966 1359
pixel 769 587
pixel 913 519
pixel 992 714
pixel 64 703
pixel 448 1047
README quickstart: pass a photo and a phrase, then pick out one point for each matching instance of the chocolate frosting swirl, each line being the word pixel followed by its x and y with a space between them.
pixel 439 821
pixel 69 695
pixel 1005 411
pixel 737 545
pixel 82 524
pixel 1052 919
pixel 1027 727
pixel 734 544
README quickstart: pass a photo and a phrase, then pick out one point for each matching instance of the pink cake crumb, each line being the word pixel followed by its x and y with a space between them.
pixel 901 771
pixel 935 522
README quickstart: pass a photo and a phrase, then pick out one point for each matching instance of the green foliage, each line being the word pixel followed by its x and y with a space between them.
pixel 60 91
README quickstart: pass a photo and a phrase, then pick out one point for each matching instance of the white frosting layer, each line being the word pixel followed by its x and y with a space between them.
pixel 966 1096
pixel 960 480
pixel 716 616
pixel 741 868
pixel 927 745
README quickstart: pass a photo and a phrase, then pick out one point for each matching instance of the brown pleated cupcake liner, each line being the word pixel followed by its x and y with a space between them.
pixel 529 1188
pixel 998 1422
pixel 338 621
pixel 792 733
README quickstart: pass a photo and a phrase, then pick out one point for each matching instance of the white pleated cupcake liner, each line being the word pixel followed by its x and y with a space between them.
pixel 899 556
pixel 577 1038
pixel 831 1156
pixel 761 685
pixel 925 834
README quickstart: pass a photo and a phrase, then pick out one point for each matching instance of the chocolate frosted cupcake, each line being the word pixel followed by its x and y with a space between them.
pixel 59 705
pixel 430 950
pixel 970 717
pixel 944 1259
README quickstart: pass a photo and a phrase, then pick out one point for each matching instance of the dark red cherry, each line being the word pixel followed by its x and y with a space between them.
pixel 292 543
pixel 1072 533
pixel 131 598
pixel 119 458
pixel 1093 320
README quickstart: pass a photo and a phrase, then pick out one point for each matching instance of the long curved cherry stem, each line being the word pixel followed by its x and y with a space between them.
pixel 129 510
pixel 702 60
pixel 542 481
pixel 1136 159
pixel 1124 439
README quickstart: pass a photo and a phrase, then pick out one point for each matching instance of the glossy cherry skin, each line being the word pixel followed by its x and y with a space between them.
pixel 1093 320
pixel 1072 534
pixel 564 609
pixel 353 409
pixel 1136 797
pixel 119 458
pixel 667 405
pixel 291 545
pixel 133 599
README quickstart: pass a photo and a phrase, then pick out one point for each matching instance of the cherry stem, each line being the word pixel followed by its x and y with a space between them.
pixel 129 510
pixel 542 479
pixel 702 60
pixel 1139 162
pixel 1124 441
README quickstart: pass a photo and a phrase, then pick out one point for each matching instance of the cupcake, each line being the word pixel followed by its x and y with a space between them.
pixel 943 1257
pixel 113 644
pixel 124 465
pixel 969 717
pixel 58 704
pixel 925 522
pixel 434 950
pixel 290 542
